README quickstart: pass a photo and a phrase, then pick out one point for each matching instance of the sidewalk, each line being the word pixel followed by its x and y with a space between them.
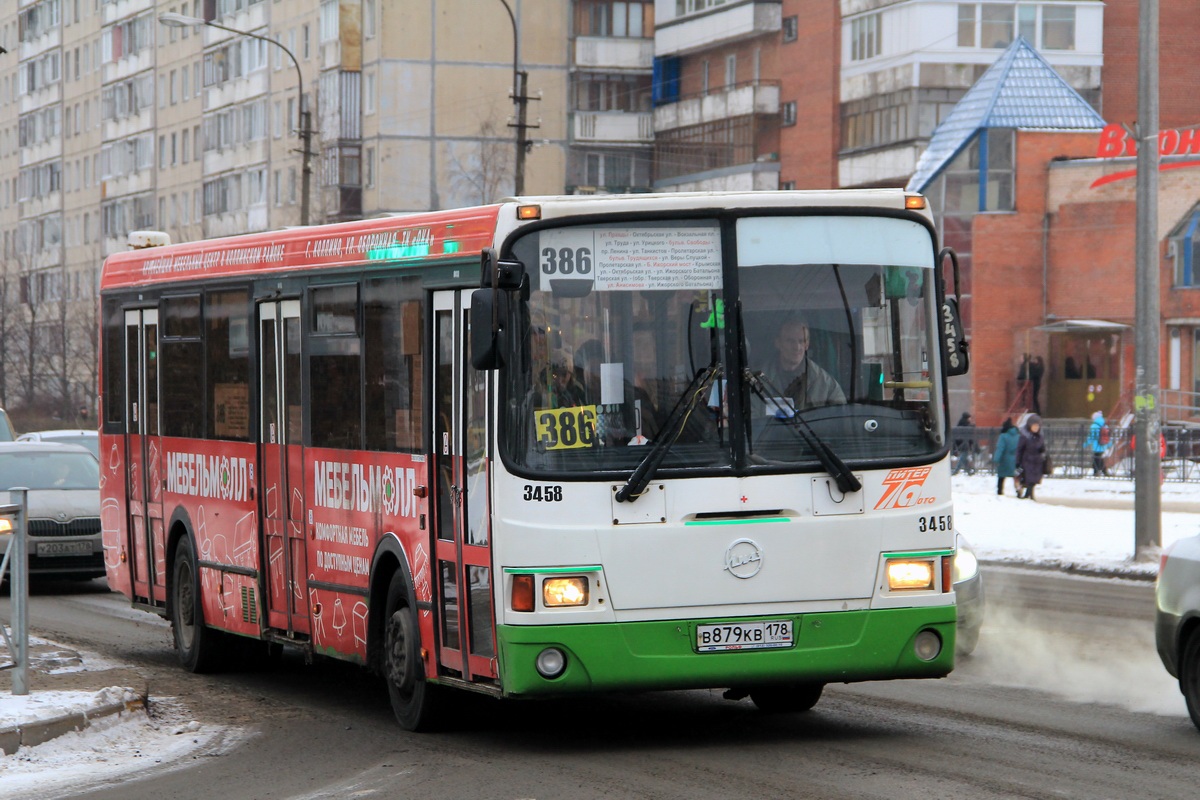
pixel 65 695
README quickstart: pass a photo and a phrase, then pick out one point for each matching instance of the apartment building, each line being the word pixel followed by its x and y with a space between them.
pixel 717 113
pixel 120 115
pixel 611 118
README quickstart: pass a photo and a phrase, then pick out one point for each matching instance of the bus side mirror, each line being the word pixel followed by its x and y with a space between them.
pixel 497 274
pixel 957 360
pixel 489 314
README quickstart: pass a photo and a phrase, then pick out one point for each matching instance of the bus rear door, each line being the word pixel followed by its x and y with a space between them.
pixel 144 478
pixel 281 465
pixel 463 547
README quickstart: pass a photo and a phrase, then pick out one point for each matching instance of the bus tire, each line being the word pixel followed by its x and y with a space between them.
pixel 789 699
pixel 201 649
pixel 413 699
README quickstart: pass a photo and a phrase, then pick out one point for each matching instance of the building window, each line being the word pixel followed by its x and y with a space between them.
pixel 966 25
pixel 330 24
pixel 787 186
pixel 615 18
pixel 787 112
pixel 1185 252
pixel 730 70
pixel 791 28
pixel 369 168
pixel 368 12
pixel 995 25
pixel 612 93
pixel 865 40
pixel 1049 26
pixel 1058 27
pixel 369 93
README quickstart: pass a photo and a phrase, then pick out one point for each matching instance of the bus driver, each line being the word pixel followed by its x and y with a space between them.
pixel 794 374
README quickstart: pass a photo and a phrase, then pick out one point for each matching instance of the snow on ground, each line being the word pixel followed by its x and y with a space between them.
pixel 110 749
pixel 1059 529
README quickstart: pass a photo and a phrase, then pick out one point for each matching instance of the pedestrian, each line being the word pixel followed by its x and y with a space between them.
pixel 1004 457
pixel 1037 369
pixel 1031 456
pixel 964 444
pixel 1097 443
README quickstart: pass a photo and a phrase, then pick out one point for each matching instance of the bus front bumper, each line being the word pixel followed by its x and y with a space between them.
pixel 833 647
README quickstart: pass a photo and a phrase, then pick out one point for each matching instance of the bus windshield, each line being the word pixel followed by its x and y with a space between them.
pixel 734 345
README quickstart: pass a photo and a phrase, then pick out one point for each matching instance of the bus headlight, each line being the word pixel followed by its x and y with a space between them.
pixel 910 574
pixel 563 592
pixel 6 525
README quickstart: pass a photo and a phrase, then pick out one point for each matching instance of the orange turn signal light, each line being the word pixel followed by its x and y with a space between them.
pixel 914 201
pixel 522 593
pixel 529 212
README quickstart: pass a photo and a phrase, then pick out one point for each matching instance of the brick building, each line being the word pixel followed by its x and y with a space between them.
pixel 1037 194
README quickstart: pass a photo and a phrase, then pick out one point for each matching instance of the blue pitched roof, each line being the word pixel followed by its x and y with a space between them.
pixel 1021 90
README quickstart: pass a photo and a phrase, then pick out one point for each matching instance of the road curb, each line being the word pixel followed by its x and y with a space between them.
pixel 35 733
pixel 1070 568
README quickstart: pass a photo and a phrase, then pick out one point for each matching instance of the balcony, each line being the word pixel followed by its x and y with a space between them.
pixel 738 100
pixel 613 127
pixel 717 26
pixel 614 53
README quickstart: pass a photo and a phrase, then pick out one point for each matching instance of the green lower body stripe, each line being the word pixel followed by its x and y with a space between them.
pixel 833 647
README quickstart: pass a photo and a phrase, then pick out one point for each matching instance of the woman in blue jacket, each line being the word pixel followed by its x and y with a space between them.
pixel 1005 455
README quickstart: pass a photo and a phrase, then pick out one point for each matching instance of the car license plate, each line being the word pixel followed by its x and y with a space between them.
pixel 64 548
pixel 744 636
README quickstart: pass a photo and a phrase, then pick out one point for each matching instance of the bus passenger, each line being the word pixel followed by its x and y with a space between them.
pixel 793 373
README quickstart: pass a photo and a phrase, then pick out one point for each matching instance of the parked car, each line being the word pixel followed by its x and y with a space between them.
pixel 7 433
pixel 968 588
pixel 62 507
pixel 81 437
pixel 1177 618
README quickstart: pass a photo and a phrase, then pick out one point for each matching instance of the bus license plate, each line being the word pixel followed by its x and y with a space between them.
pixel 744 636
pixel 64 548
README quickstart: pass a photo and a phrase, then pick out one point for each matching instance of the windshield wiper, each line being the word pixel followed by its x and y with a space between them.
pixel 837 469
pixel 697 388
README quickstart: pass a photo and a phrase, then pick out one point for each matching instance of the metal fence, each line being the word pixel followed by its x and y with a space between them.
pixel 1071 456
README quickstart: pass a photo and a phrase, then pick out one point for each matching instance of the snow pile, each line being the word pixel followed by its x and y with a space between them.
pixel 109 750
pixel 1059 529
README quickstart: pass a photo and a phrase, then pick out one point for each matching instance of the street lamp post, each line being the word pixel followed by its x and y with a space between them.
pixel 174 20
pixel 520 82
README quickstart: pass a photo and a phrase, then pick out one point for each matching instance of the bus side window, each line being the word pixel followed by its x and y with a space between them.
pixel 114 363
pixel 393 322
pixel 227 341
pixel 182 366
pixel 335 372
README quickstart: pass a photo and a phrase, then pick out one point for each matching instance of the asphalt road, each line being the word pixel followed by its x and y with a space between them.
pixel 1065 697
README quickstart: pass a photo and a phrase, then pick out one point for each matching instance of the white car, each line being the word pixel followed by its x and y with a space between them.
pixel 1177 618
pixel 81 437
pixel 62 507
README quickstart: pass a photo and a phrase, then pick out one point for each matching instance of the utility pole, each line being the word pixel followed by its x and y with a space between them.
pixel 1147 489
pixel 521 98
pixel 520 84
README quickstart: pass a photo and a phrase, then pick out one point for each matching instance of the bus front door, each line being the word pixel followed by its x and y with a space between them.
pixel 281 461
pixel 467 644
pixel 145 543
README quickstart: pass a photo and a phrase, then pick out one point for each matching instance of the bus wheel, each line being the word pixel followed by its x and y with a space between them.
pixel 200 648
pixel 787 699
pixel 413 699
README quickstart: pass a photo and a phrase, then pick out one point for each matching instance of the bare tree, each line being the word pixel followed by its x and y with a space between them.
pixel 482 171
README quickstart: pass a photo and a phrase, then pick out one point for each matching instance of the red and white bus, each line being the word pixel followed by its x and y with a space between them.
pixel 586 469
